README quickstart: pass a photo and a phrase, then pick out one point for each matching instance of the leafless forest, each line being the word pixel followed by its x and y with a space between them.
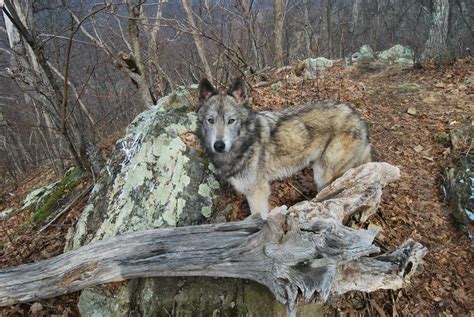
pixel 73 73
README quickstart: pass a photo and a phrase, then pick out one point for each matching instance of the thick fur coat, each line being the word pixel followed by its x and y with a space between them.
pixel 250 149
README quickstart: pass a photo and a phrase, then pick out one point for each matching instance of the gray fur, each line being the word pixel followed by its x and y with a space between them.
pixel 261 147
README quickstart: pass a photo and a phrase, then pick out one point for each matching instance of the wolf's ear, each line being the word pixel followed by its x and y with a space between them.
pixel 206 90
pixel 238 90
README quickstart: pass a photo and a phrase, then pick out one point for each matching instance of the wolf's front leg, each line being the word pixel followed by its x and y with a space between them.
pixel 257 198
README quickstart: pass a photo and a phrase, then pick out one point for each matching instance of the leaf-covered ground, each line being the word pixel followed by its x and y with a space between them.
pixel 409 113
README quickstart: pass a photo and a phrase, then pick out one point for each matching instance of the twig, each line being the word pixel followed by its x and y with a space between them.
pixel 377 308
pixel 265 83
pixel 294 187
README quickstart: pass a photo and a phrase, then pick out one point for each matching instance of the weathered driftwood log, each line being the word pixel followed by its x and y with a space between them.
pixel 303 253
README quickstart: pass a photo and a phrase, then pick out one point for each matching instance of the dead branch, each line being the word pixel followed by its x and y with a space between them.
pixel 304 253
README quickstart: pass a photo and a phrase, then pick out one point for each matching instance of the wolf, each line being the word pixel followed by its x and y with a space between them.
pixel 250 149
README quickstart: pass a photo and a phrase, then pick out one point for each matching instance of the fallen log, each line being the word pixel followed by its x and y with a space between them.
pixel 303 253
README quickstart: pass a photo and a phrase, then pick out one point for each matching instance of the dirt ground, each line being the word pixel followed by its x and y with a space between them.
pixel 407 111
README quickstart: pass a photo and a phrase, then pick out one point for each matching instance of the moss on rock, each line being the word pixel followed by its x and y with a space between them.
pixel 62 188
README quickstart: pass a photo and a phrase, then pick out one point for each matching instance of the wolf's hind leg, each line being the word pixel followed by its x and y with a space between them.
pixel 322 176
pixel 258 200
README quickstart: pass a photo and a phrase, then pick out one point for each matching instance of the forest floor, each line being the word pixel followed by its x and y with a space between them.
pixel 409 113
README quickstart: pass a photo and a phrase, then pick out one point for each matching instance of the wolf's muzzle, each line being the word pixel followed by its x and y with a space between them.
pixel 219 146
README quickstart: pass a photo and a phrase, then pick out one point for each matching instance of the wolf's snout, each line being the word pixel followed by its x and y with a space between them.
pixel 219 146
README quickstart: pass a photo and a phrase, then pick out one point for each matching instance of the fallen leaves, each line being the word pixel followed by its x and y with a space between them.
pixel 418 143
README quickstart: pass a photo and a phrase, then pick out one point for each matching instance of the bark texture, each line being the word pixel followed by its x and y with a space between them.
pixel 278 32
pixel 436 45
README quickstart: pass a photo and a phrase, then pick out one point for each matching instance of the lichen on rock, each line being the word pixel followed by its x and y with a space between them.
pixel 152 177
pixel 397 54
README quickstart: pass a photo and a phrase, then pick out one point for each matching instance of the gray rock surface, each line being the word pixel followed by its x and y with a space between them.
pixel 152 180
pixel 313 67
pixel 155 180
pixel 397 54
pixel 459 185
pixel 366 55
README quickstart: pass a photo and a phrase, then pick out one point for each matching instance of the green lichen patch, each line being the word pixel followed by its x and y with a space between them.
pixel 62 187
pixel 442 138
pixel 408 89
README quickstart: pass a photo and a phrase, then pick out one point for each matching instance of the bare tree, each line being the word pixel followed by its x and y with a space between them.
pixel 329 5
pixel 249 14
pixel 32 71
pixel 278 7
pixel 436 45
pixel 197 38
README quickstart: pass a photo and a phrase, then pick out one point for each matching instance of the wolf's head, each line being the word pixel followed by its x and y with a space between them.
pixel 223 116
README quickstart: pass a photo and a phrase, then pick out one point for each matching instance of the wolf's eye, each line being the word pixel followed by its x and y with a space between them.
pixel 210 120
pixel 231 121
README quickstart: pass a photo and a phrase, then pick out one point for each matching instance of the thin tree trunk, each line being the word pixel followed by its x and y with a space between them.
pixel 250 22
pixel 197 39
pixel 307 29
pixel 278 32
pixel 328 25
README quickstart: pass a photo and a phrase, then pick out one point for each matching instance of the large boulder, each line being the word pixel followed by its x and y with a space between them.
pixel 156 178
pixel 314 67
pixel 153 178
pixel 397 54
pixel 364 56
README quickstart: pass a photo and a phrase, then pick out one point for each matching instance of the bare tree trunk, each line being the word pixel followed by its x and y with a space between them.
pixel 134 60
pixel 278 32
pixel 376 30
pixel 250 22
pixel 436 45
pixel 197 39
pixel 52 149
pixel 308 30
pixel 329 5
pixel 153 29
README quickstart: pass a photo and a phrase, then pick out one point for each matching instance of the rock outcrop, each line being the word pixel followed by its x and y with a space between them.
pixel 397 54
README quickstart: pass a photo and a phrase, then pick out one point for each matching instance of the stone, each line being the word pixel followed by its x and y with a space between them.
pixel 418 148
pixel 364 56
pixel 397 54
pixel 33 198
pixel 154 179
pixel 412 111
pixel 314 67
pixel 459 193
pixel 36 308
